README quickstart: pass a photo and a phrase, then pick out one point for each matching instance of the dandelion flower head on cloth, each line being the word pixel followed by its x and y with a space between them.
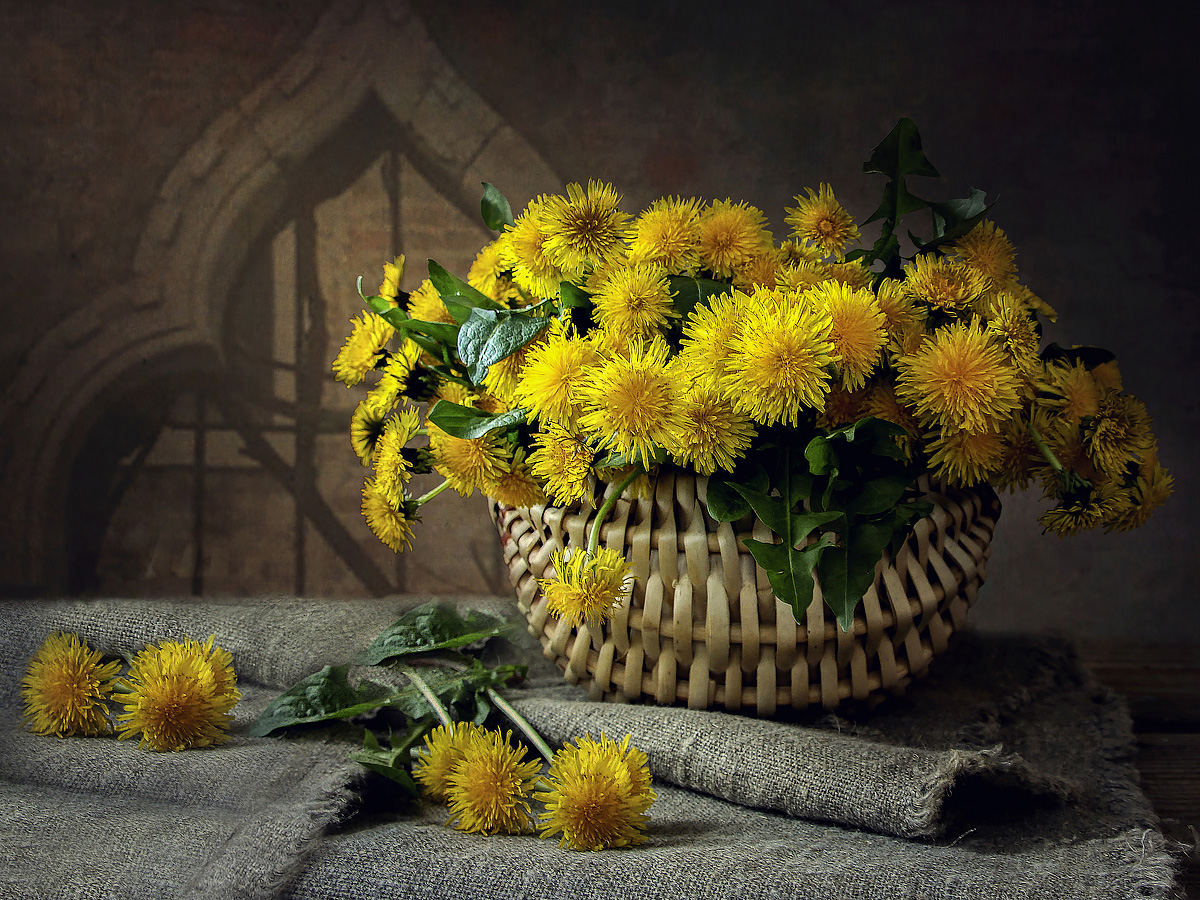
pixel 177 695
pixel 488 789
pixel 596 795
pixel 66 688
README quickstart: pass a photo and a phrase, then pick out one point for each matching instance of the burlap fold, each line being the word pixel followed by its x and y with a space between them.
pixel 1006 773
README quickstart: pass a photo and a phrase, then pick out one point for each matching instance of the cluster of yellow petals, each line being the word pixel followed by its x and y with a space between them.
pixel 655 367
pixel 595 795
pixel 176 694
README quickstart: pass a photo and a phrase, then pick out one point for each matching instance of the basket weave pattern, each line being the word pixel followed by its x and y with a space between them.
pixel 701 625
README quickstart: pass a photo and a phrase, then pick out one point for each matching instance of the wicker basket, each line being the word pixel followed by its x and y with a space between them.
pixel 702 627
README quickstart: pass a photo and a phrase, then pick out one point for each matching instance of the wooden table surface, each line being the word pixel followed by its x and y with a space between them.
pixel 1162 685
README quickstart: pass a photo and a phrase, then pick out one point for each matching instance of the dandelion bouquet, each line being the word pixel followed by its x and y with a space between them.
pixel 812 380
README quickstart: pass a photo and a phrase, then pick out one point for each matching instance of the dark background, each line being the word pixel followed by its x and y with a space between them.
pixel 1077 116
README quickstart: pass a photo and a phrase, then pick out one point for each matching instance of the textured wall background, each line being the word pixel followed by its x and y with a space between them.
pixel 1073 114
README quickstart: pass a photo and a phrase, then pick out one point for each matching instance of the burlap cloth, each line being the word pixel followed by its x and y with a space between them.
pixel 1007 773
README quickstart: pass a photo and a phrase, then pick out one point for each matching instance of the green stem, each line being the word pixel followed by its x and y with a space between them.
pixel 430 697
pixel 521 722
pixel 1041 445
pixel 425 498
pixel 609 503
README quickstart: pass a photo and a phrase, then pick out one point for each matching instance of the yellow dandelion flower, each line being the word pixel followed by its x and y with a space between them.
pixel 1119 433
pixel 554 373
pixel 1107 375
pixel 799 276
pixel 583 227
pixel 400 377
pixel 714 434
pixel 852 274
pixel 588 588
pixel 1033 301
pixel 706 336
pixel 959 379
pixel 1066 442
pixel 469 463
pixel 1103 503
pixel 730 235
pixel 443 749
pixel 966 458
pixel 818 220
pixel 1148 493
pixel 905 321
pixel 392 273
pixel 762 269
pixel 858 329
pixel 631 401
pixel 175 697
pixel 523 251
pixel 517 487
pixel 504 375
pixel 362 349
pixel 455 392
pixel 596 796
pixel 779 358
pixel 1019 457
pixel 388 520
pixel 642 486
pixel 666 233
pixel 1015 330
pixel 1073 392
pixel 943 284
pixel 366 426
pixel 795 253
pixel 392 467
pixel 220 661
pixel 491 404
pixel 488 789
pixel 66 688
pixel 486 273
pixel 881 402
pixel 635 301
pixel 842 407
pixel 986 249
pixel 563 461
pixel 425 304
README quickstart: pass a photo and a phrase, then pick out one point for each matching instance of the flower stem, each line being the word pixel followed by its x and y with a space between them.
pixel 430 697
pixel 609 503
pixel 425 498
pixel 1045 450
pixel 521 722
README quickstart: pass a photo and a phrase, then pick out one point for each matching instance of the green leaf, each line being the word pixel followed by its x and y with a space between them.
pixel 725 503
pixel 847 571
pixel 442 334
pixel 954 218
pixel 1090 357
pixel 896 202
pixel 821 455
pixel 432 626
pixel 497 214
pixel 460 298
pixel 393 762
pixel 489 335
pixel 572 296
pixel 877 496
pixel 687 291
pixel 789 571
pixel 468 422
pixel 900 154
pixel 320 697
